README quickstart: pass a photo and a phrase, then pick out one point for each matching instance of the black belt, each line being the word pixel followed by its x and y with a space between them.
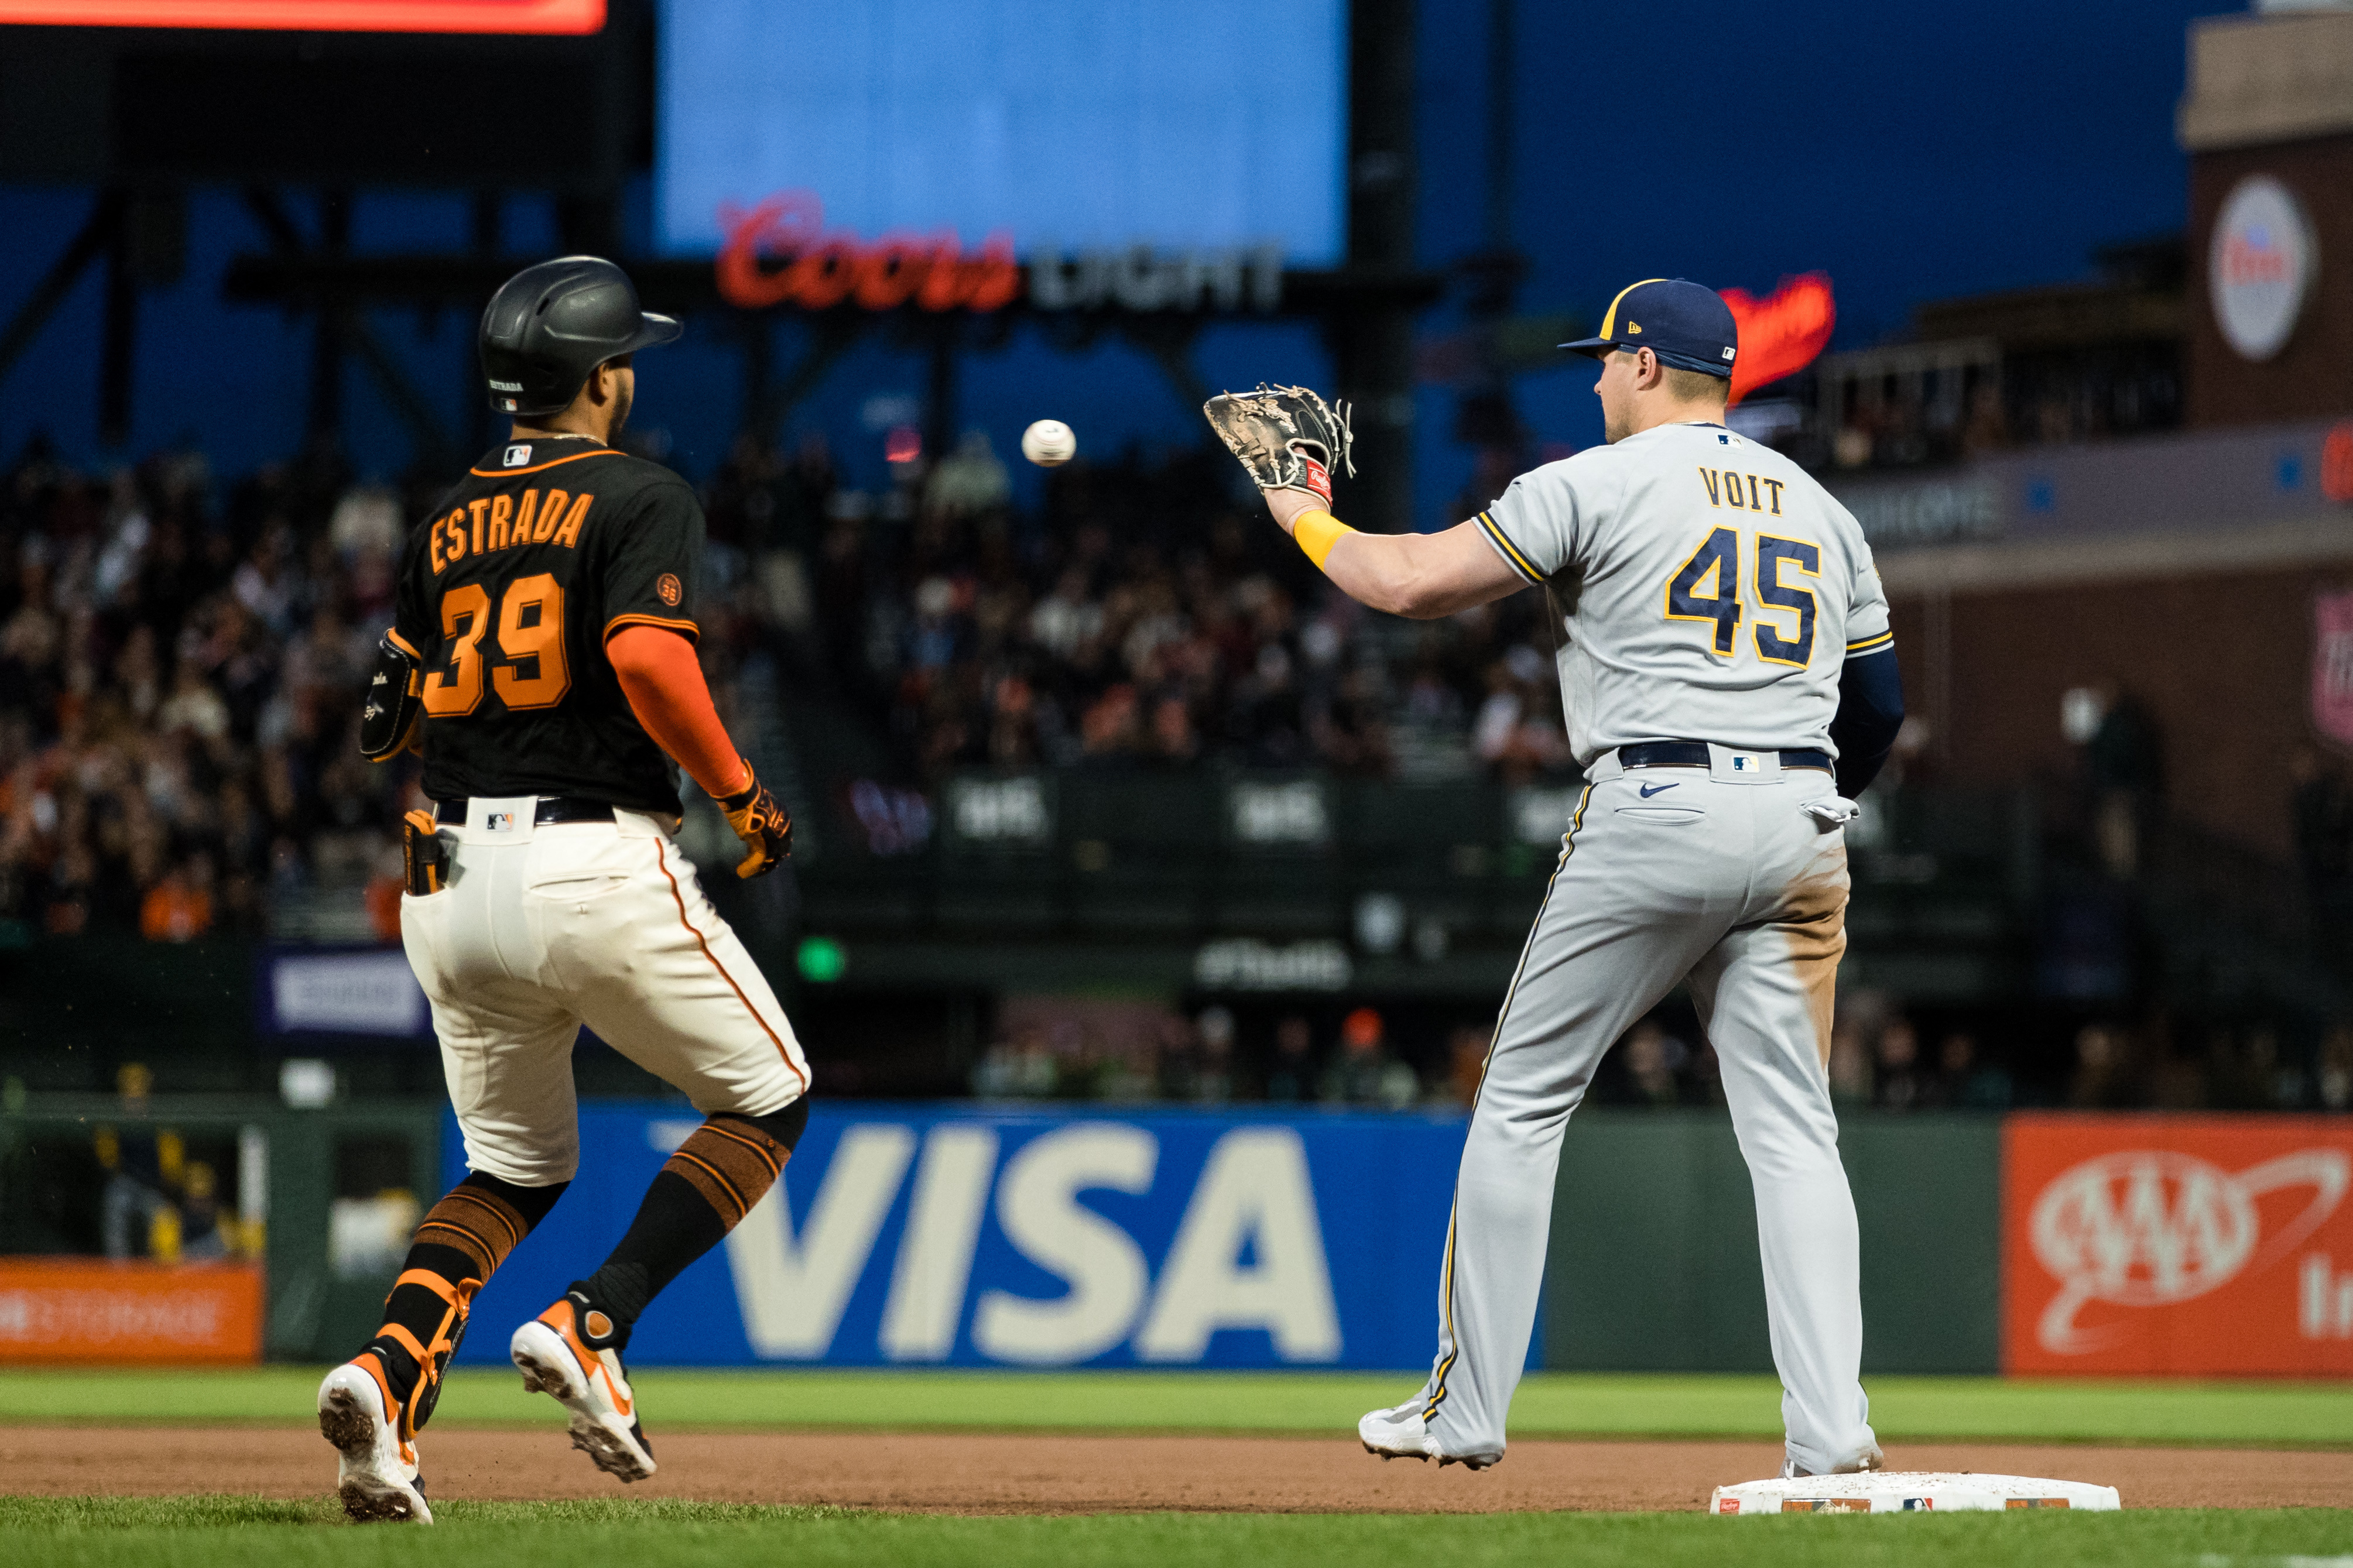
pixel 551 810
pixel 1693 754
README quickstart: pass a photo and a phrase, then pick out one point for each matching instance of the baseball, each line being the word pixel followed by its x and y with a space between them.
pixel 1049 444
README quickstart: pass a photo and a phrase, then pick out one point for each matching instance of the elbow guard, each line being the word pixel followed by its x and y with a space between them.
pixel 395 702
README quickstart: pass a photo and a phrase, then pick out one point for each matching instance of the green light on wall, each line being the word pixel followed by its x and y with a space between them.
pixel 821 960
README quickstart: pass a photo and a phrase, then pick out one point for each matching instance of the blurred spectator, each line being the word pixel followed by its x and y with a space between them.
pixel 2101 1077
pixel 1517 731
pixel 136 1217
pixel 202 1240
pixel 1653 1059
pixel 2123 769
pixel 179 907
pixel 1964 1081
pixel 1365 1072
pixel 2335 1076
pixel 2320 807
pixel 1466 1062
pixel 1900 1082
pixel 1850 1064
pixel 1021 1069
pixel 1210 1080
pixel 1291 1079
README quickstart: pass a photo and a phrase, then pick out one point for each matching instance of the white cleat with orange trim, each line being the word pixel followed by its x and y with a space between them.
pixel 1399 1433
pixel 558 1353
pixel 358 1415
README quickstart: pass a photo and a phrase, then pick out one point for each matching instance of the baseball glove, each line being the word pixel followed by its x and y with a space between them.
pixel 764 825
pixel 1287 436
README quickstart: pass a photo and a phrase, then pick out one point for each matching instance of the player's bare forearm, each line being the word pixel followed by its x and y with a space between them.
pixel 1422 577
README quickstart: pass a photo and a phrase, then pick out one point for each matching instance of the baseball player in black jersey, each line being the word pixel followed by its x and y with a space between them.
pixel 542 657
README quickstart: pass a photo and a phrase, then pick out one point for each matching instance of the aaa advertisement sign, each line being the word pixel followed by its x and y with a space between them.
pixel 2200 1244
pixel 917 1236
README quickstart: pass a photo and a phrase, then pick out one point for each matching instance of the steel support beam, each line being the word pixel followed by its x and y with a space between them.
pixel 97 234
pixel 1371 337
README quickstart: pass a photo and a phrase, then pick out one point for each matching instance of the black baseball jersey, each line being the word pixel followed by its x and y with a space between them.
pixel 506 594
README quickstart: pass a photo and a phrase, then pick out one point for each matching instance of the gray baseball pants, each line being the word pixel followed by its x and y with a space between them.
pixel 1722 875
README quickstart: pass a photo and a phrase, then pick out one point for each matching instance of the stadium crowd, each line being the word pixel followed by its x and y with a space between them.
pixel 1144 618
pixel 181 661
pixel 180 671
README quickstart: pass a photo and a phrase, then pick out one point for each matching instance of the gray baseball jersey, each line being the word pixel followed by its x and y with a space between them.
pixel 1709 589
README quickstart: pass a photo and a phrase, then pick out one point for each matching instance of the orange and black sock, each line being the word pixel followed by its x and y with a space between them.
pixel 461 1244
pixel 704 1190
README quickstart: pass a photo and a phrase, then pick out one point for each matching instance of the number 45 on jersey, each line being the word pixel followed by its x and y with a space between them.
pixel 1707 589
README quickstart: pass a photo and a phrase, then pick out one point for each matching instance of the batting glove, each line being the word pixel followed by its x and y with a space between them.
pixel 764 825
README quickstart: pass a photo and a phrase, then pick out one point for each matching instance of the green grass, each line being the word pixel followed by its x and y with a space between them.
pixel 233 1532
pixel 2247 1414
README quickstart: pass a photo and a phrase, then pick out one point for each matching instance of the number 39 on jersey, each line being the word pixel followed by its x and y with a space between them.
pixel 531 672
pixel 1708 588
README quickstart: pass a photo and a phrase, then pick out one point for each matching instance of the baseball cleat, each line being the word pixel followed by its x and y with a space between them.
pixel 1401 1434
pixel 1873 1460
pixel 358 1415
pixel 557 1354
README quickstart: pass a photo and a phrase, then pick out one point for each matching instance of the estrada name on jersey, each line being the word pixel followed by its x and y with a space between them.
pixel 1707 589
pixel 506 595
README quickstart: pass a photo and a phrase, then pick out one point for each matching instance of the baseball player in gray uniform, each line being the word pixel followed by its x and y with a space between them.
pixel 1730 685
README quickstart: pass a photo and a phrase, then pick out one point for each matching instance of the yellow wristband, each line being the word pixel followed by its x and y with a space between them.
pixel 1317 531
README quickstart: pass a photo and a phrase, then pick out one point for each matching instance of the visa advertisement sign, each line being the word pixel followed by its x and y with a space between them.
pixel 961 1236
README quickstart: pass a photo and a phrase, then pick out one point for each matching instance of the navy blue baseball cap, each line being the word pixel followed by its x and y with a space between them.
pixel 1686 324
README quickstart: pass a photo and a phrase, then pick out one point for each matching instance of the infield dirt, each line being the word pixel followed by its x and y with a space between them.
pixel 1024 1473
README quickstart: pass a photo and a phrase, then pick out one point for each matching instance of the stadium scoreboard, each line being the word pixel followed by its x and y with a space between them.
pixel 1080 124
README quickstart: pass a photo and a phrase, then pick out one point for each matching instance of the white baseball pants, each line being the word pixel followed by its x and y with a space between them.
pixel 537 931
pixel 1668 873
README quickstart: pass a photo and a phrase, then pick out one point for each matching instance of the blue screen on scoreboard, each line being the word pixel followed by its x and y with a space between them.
pixel 1074 123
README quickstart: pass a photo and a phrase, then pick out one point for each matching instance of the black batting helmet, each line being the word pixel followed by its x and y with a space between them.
pixel 548 326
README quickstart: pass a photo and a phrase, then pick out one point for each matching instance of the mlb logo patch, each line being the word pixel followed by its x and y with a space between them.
pixel 499 822
pixel 1742 764
pixel 1919 1504
pixel 517 457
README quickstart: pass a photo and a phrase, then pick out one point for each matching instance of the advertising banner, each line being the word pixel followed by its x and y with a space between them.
pixel 93 1311
pixel 2202 1245
pixel 973 1235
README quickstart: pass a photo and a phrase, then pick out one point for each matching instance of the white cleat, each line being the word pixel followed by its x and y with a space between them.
pixel 359 1415
pixel 1401 1434
pixel 556 1359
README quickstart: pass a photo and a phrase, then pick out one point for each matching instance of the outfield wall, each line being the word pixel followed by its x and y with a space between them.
pixel 961 1235
pixel 1653 1265
pixel 968 1234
